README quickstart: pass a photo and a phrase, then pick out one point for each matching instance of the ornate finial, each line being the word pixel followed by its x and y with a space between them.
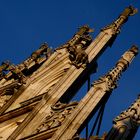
pixel 112 77
pixel 127 57
pixel 84 30
pixel 116 25
pixel 129 11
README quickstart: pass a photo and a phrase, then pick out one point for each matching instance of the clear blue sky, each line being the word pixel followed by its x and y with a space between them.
pixel 25 24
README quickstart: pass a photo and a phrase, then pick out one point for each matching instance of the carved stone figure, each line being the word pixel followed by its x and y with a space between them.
pixel 42 50
pixel 81 35
pixel 17 74
pixel 3 67
pixel 78 55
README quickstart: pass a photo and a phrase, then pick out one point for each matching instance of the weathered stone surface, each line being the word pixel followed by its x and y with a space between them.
pixel 45 78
